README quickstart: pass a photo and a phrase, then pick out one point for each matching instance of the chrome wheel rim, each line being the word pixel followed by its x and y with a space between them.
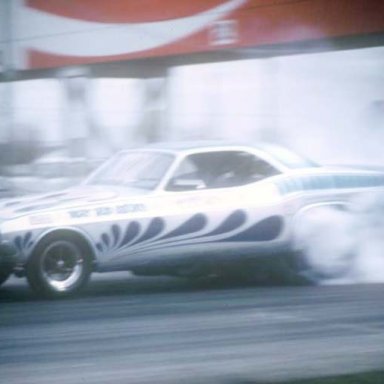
pixel 62 265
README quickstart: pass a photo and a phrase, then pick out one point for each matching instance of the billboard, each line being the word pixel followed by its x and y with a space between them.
pixel 48 34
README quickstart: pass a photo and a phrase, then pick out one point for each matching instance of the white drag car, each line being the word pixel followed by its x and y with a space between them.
pixel 182 209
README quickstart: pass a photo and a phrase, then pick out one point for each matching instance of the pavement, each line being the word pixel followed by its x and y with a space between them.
pixel 125 329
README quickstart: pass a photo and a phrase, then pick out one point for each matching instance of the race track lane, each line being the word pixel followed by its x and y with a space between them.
pixel 135 330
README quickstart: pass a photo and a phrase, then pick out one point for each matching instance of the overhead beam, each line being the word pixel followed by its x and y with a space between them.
pixel 159 66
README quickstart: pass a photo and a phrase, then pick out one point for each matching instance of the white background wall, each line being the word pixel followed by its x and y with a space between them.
pixel 326 105
pixel 321 104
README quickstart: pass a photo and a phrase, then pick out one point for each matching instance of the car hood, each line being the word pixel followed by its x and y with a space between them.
pixel 80 196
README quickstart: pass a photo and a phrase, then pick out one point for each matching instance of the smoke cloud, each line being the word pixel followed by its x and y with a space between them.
pixel 343 244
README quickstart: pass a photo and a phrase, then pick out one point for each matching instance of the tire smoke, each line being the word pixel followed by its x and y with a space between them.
pixel 343 244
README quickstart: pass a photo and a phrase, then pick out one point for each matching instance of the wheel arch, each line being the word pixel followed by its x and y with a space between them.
pixel 78 235
pixel 337 205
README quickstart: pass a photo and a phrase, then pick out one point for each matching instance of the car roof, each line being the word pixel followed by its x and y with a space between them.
pixel 286 157
pixel 181 146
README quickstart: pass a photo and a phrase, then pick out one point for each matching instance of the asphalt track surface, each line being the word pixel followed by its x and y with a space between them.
pixel 159 330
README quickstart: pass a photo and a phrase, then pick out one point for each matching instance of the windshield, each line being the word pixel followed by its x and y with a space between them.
pixel 133 169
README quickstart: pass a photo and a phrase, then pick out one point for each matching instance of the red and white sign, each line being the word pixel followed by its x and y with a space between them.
pixel 67 32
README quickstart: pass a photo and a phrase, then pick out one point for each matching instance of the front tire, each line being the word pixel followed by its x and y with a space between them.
pixel 58 267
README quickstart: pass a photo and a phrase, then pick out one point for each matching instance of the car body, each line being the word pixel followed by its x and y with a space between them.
pixel 182 209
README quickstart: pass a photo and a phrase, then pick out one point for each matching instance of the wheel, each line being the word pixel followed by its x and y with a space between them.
pixel 58 267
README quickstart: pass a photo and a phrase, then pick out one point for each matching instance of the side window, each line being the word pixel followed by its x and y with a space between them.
pixel 240 168
pixel 219 169
pixel 186 177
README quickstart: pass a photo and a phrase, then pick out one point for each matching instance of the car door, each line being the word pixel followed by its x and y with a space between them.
pixel 208 201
